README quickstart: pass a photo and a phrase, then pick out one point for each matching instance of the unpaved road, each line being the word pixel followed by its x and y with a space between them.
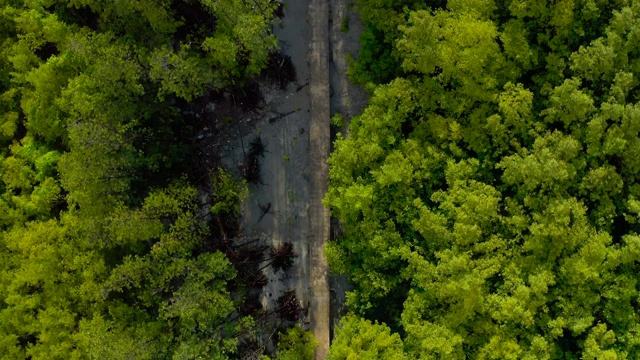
pixel 319 312
pixel 294 167
pixel 284 128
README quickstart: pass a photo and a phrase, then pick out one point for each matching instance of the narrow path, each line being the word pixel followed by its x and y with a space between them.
pixel 319 141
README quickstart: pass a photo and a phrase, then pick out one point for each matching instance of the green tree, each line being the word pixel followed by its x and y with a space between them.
pixel 358 338
pixel 31 188
pixel 104 247
pixel 46 285
pixel 490 192
pixel 296 344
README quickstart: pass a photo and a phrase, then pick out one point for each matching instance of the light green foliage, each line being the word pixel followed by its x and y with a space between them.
pixel 180 73
pixel 240 36
pixel 461 44
pixel 28 177
pixel 338 120
pixel 245 23
pixel 489 195
pixel 10 117
pixel 42 83
pixel 228 193
pixel 104 252
pixel 65 286
pixel 358 338
pixel 43 283
pixel 99 338
pixel 296 344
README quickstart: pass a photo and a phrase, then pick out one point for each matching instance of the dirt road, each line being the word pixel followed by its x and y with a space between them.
pixel 294 126
pixel 319 140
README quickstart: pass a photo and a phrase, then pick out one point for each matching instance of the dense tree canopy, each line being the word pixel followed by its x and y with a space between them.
pixel 491 186
pixel 105 247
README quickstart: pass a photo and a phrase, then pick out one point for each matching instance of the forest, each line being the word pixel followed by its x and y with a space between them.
pixel 107 248
pixel 489 193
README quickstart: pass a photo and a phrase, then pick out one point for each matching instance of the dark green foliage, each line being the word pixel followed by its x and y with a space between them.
pixel 376 62
pixel 344 24
pixel 491 188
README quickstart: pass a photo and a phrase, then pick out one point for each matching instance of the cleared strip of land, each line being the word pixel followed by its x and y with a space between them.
pixel 319 92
